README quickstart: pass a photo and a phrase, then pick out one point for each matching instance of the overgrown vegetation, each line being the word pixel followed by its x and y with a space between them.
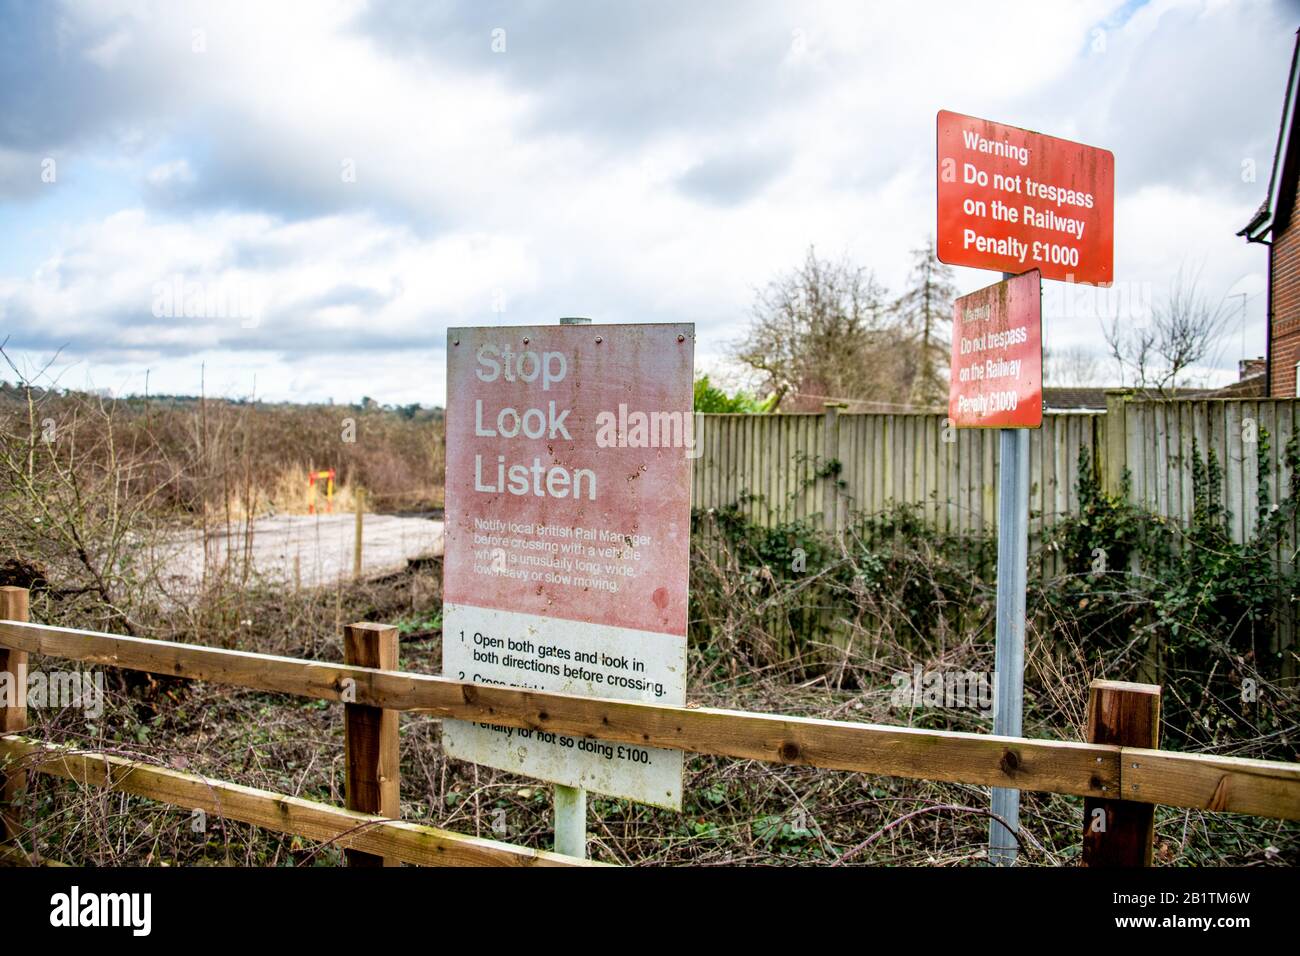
pixel 1188 606
pixel 198 457
pixel 93 489
pixel 1121 593
pixel 785 619
pixel 711 399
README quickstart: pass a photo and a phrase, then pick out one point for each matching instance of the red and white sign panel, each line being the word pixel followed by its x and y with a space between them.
pixel 568 537
pixel 997 356
pixel 1012 200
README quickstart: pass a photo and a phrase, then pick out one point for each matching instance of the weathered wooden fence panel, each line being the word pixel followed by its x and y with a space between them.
pixel 1157 450
pixel 770 464
pixel 766 464
pixel 1162 439
pixel 776 466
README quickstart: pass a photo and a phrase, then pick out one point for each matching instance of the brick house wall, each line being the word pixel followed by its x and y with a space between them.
pixel 1284 327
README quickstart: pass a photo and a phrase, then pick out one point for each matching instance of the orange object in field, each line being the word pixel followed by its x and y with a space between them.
pixel 326 476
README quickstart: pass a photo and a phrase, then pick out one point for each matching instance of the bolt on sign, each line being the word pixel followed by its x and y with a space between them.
pixel 997 356
pixel 568 537
pixel 1012 200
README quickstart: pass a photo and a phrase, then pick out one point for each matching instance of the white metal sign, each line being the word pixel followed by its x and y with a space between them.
pixel 568 537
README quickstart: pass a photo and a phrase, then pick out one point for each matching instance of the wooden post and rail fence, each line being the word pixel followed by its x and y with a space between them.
pixel 1119 771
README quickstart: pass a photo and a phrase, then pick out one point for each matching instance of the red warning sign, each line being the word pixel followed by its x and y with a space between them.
pixel 997 356
pixel 1010 199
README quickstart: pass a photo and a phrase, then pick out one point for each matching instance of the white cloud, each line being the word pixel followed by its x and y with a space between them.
pixel 683 161
pixel 175 172
pixel 107 52
pixel 341 284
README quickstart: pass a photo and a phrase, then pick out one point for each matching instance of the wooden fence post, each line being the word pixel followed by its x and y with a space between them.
pixel 1116 449
pixel 830 453
pixel 373 752
pixel 14 606
pixel 1119 832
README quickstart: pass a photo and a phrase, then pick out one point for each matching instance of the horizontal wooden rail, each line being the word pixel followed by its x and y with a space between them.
pixel 1263 788
pixel 1059 766
pixel 408 842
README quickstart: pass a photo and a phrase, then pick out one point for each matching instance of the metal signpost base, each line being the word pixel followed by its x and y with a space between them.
pixel 1013 571
pixel 571 802
pixel 571 821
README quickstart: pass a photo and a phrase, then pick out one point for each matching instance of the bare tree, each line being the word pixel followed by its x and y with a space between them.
pixel 1073 366
pixel 1183 331
pixel 926 309
pixel 823 331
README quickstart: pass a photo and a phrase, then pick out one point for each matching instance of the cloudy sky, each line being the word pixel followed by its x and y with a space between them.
pixel 344 180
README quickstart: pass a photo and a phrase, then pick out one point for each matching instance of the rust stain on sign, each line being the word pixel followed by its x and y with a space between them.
pixel 568 534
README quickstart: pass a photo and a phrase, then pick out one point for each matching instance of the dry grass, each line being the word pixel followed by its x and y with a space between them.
pixel 735 812
pixel 115 473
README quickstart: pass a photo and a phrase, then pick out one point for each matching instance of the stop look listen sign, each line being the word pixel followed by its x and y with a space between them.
pixel 568 537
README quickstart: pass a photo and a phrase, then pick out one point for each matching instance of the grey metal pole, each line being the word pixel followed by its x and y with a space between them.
pixel 571 821
pixel 571 802
pixel 1009 649
pixel 1013 581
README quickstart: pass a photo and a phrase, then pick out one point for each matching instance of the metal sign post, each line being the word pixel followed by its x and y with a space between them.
pixel 561 574
pixel 1009 639
pixel 997 363
pixel 571 802
pixel 1009 652
pixel 571 821
pixel 1043 208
